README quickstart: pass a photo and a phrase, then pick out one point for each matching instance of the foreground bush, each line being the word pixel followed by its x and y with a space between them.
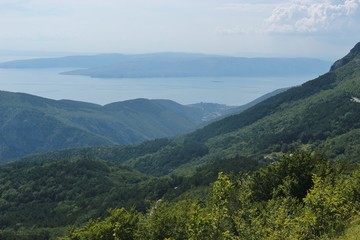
pixel 302 196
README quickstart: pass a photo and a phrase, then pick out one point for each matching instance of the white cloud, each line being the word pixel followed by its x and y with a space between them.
pixel 247 17
pixel 296 16
pixel 221 26
pixel 311 16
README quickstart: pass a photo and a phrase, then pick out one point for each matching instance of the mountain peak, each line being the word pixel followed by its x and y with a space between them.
pixel 354 53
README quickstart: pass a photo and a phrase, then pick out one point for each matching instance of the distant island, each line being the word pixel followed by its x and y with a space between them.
pixel 157 65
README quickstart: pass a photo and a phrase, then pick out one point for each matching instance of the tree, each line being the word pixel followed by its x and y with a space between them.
pixel 121 224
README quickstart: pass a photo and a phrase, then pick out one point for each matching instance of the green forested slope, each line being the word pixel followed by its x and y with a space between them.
pixel 302 196
pixel 316 115
pixel 30 124
pixel 40 200
pixel 56 194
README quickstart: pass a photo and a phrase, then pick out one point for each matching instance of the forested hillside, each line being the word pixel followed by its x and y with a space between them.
pixel 322 114
pixel 53 195
pixel 301 196
pixel 31 124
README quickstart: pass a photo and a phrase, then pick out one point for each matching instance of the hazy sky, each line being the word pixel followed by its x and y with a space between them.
pixel 324 28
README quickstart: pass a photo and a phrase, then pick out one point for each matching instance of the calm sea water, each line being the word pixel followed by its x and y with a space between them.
pixel 229 90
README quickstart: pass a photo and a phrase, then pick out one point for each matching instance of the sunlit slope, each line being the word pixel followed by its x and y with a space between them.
pixel 318 114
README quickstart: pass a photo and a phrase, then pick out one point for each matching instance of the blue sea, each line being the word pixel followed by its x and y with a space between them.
pixel 225 90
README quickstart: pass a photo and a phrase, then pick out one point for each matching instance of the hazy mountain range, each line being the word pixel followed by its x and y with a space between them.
pixel 175 65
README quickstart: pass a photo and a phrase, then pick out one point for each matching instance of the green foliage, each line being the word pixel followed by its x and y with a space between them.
pixel 329 206
pixel 352 232
pixel 233 209
pixel 213 221
pixel 49 195
pixel 301 196
pixel 119 225
pixel 54 194
pixel 28 234
pixel 169 157
pixel 113 153
pixel 165 221
pixel 295 169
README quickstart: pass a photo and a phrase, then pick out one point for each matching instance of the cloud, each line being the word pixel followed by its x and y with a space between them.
pixel 247 16
pixel 295 17
pixel 309 16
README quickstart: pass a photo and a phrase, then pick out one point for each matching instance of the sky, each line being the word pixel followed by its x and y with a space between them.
pixel 325 29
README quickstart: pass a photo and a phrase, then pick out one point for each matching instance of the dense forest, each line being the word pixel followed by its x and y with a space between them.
pixel 301 196
pixel 286 168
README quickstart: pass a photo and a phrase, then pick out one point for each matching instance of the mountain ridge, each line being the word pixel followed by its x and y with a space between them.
pixel 352 55
pixel 46 124
pixel 314 115
pixel 32 124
